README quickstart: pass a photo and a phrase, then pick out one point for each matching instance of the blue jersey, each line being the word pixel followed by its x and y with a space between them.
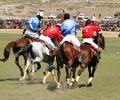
pixel 33 23
pixel 68 27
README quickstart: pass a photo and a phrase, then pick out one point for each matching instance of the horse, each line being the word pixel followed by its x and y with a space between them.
pixel 99 39
pixel 42 53
pixel 67 55
pixel 16 46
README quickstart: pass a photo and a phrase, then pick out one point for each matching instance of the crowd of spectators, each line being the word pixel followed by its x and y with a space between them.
pixel 20 24
pixel 113 26
pixel 12 24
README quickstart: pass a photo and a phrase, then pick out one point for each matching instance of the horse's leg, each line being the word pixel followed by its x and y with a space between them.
pixel 32 75
pixel 45 77
pixel 83 66
pixel 26 68
pixel 91 76
pixel 67 76
pixel 73 76
pixel 58 75
pixel 70 63
pixel 49 70
pixel 54 77
pixel 67 73
pixel 38 67
pixel 71 82
pixel 17 63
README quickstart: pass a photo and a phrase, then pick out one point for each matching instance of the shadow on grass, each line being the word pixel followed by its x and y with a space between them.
pixel 51 88
pixel 81 85
pixel 16 81
pixel 9 79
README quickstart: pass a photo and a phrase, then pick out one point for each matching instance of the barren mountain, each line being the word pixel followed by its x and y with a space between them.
pixel 25 8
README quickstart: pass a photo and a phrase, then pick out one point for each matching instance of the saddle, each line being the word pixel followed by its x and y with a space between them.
pixel 92 47
pixel 32 39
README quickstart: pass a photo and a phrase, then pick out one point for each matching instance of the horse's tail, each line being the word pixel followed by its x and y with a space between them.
pixel 6 53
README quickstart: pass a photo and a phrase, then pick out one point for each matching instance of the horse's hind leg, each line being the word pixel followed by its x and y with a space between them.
pixel 20 68
pixel 89 82
pixel 91 75
pixel 25 70
pixel 71 83
pixel 73 76
pixel 54 77
pixel 80 72
pixel 58 74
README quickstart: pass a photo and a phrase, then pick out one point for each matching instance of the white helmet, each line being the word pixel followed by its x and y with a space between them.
pixel 40 13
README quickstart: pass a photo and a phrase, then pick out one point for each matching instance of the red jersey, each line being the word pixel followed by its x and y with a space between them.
pixel 88 31
pixel 52 32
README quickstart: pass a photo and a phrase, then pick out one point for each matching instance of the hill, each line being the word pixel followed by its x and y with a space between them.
pixel 25 8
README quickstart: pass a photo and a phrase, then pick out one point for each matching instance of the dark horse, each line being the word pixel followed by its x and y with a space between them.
pixel 16 46
pixel 68 55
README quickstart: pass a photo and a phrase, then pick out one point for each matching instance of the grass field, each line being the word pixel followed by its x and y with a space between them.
pixel 106 84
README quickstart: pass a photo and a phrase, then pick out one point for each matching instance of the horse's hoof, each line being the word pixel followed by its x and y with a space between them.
pixel 58 86
pixel 89 84
pixel 75 85
pixel 71 84
pixel 67 85
pixel 21 79
pixel 43 82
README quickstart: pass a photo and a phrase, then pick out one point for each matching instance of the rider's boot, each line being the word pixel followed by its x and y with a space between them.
pixel 97 54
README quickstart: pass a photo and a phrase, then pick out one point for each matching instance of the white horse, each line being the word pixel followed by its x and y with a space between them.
pixel 40 50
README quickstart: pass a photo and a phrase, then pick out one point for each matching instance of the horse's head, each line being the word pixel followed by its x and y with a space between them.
pixel 100 40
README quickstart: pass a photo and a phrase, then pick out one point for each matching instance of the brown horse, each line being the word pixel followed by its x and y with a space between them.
pixel 100 40
pixel 67 55
pixel 16 46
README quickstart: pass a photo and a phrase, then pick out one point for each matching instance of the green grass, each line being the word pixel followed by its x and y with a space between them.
pixel 106 84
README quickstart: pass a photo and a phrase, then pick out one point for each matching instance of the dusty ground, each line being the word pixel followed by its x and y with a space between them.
pixel 26 8
pixel 19 31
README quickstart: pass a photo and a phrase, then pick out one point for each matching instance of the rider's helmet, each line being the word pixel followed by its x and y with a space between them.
pixel 88 22
pixel 94 23
pixel 66 16
pixel 40 15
